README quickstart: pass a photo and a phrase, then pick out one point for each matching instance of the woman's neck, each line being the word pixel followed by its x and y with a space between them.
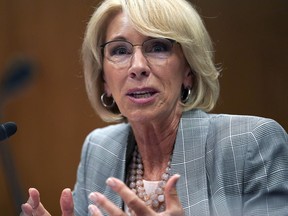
pixel 155 144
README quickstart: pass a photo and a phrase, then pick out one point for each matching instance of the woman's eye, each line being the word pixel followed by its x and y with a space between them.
pixel 157 47
pixel 119 51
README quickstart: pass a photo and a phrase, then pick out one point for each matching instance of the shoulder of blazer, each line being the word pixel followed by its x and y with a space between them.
pixel 108 140
pixel 111 132
pixel 242 123
pixel 224 127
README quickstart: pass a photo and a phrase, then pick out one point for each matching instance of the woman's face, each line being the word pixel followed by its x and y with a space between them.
pixel 143 89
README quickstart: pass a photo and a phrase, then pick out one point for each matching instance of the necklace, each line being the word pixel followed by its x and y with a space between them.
pixel 156 199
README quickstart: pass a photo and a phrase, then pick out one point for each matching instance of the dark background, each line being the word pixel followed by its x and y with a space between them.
pixel 51 108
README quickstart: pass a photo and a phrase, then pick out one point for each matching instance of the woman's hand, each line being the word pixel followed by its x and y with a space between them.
pixel 135 204
pixel 34 207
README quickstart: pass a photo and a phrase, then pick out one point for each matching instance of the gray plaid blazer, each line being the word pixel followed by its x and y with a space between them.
pixel 229 165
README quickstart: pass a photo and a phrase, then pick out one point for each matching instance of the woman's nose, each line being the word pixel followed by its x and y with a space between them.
pixel 139 65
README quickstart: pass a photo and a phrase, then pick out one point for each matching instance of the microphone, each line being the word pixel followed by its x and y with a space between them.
pixel 7 129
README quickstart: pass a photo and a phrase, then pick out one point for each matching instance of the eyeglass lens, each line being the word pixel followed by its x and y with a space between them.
pixel 120 51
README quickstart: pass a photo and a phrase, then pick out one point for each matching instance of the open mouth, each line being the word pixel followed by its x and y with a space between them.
pixel 144 94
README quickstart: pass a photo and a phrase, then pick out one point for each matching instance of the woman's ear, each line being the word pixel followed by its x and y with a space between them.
pixel 188 78
pixel 106 87
pixel 102 76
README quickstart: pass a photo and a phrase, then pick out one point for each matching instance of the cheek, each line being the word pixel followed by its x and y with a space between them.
pixel 109 77
pixel 114 83
pixel 179 65
pixel 176 72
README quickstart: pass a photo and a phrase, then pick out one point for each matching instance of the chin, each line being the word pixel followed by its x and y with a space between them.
pixel 141 116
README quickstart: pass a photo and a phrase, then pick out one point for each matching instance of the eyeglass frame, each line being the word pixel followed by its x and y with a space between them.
pixel 133 45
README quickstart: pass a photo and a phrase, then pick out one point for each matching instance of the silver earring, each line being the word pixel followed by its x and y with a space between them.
pixel 185 94
pixel 107 102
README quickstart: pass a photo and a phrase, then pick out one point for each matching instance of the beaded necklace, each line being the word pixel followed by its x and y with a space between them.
pixel 156 199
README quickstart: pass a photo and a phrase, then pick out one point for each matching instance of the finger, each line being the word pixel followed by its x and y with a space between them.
pixel 94 210
pixel 34 201
pixel 172 201
pixel 33 205
pixel 26 210
pixel 34 198
pixel 66 202
pixel 101 201
pixel 130 198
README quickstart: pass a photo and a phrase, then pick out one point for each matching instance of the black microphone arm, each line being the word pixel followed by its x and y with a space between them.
pixel 7 129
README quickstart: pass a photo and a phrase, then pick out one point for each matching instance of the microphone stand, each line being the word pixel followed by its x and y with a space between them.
pixel 11 176
pixel 17 76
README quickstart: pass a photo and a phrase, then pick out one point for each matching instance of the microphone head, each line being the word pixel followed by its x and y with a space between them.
pixel 7 129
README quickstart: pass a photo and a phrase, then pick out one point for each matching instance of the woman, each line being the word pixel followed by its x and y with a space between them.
pixel 149 65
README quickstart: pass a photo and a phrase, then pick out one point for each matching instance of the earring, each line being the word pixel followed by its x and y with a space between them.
pixel 185 94
pixel 105 100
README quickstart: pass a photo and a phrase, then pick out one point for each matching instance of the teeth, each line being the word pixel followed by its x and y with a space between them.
pixel 142 94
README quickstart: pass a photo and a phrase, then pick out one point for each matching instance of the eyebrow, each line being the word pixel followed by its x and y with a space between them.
pixel 117 38
pixel 122 38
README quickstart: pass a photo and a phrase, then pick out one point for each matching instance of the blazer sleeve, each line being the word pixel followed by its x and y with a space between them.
pixel 265 177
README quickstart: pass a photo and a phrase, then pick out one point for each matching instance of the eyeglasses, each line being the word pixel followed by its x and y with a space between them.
pixel 120 52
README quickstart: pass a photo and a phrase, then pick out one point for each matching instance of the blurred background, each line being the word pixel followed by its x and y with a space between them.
pixel 42 86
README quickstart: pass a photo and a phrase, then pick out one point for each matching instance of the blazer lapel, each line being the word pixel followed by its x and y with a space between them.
pixel 118 168
pixel 188 160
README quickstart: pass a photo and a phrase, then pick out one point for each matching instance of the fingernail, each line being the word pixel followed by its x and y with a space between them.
pixel 178 177
pixel 30 200
pixel 66 192
pixel 93 209
pixel 111 182
pixel 93 197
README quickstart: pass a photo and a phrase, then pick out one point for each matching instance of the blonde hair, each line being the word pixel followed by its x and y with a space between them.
pixel 173 19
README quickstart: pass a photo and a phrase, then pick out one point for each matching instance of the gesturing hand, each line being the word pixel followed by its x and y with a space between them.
pixel 34 207
pixel 135 204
